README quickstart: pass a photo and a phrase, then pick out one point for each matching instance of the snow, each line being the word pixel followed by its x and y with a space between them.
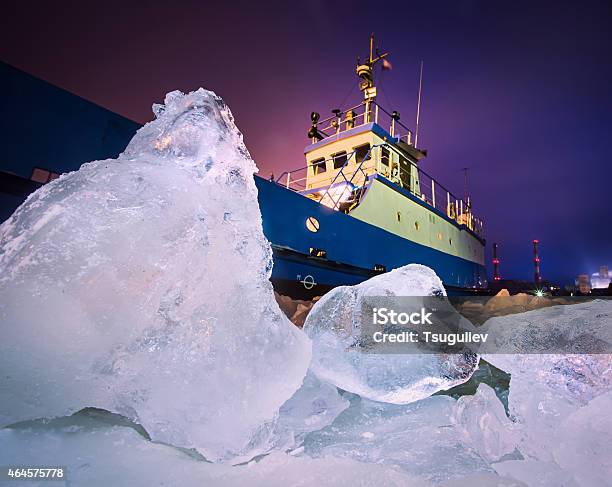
pixel 335 324
pixel 99 453
pixel 140 286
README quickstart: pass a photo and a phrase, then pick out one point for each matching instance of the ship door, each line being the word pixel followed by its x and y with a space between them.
pixel 405 173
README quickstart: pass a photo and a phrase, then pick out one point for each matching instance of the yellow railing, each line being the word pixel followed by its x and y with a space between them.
pixel 364 113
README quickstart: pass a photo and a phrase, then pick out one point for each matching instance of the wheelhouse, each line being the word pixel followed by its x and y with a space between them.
pixel 354 146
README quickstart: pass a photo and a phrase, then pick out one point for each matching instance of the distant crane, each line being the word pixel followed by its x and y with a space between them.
pixel 496 276
pixel 537 277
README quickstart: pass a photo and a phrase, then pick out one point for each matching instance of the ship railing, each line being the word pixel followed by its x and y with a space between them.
pixel 294 179
pixel 422 185
pixel 437 196
pixel 413 179
pixel 344 190
pixel 327 191
pixel 364 113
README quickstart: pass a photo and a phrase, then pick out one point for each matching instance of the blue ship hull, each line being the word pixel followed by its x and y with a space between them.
pixel 354 250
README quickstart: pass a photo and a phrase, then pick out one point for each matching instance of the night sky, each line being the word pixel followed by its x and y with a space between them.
pixel 518 92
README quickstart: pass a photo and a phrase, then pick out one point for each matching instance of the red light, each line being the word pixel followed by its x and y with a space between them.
pixel 536 241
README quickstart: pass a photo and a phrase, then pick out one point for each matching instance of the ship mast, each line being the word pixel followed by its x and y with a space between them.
pixel 366 72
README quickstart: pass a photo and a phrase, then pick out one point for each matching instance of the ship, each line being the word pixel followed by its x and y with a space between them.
pixel 361 205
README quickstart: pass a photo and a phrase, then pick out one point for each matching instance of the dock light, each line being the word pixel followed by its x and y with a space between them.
pixel 314 116
pixel 395 115
pixel 539 293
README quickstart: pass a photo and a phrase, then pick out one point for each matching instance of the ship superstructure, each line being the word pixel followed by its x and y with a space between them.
pixel 362 177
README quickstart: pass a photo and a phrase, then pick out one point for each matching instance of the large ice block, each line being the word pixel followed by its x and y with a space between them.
pixel 140 285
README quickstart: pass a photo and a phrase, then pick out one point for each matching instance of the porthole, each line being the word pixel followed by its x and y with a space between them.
pixel 439 236
pixel 450 241
pixel 312 224
pixel 399 216
pixel 416 226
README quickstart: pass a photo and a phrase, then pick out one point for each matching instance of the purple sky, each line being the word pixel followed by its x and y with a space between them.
pixel 518 92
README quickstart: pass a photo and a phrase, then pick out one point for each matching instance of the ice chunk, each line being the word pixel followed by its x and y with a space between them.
pixel 535 473
pixel 579 443
pixel 482 480
pixel 421 438
pixel 99 454
pixel 483 419
pixel 140 286
pixel 546 388
pixel 335 322
pixel 584 443
pixel 314 406
pixel 578 328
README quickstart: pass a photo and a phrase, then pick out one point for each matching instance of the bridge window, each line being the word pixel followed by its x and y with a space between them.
pixel 384 156
pixel 318 166
pixel 405 175
pixel 362 153
pixel 339 159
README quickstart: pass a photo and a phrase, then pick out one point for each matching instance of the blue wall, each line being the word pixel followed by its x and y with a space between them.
pixel 42 125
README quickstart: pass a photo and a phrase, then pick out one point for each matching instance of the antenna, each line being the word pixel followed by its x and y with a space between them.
pixel 465 182
pixel 366 71
pixel 416 133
